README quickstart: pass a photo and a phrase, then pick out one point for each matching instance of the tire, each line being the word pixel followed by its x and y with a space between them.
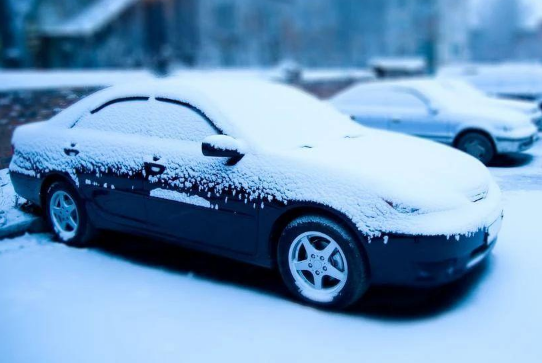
pixel 478 146
pixel 307 266
pixel 66 215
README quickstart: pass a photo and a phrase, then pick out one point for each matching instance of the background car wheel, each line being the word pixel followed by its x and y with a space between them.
pixel 322 263
pixel 477 145
pixel 66 215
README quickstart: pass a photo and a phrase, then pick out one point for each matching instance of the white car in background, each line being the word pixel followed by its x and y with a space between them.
pixel 465 89
pixel 519 81
pixel 426 108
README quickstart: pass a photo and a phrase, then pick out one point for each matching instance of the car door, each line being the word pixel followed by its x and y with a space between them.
pixel 411 114
pixel 185 200
pixel 108 145
pixel 368 107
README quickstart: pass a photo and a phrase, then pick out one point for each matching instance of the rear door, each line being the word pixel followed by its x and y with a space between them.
pixel 108 145
pixel 368 108
pixel 187 199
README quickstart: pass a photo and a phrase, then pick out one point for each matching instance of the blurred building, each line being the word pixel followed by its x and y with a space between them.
pixel 317 33
pixel 511 31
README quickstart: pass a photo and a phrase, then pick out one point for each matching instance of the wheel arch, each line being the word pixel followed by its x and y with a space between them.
pixel 475 130
pixel 297 211
pixel 49 180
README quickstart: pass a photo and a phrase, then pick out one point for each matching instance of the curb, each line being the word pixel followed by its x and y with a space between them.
pixel 19 223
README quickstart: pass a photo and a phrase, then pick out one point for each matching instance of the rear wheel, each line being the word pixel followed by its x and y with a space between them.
pixel 477 145
pixel 321 262
pixel 66 215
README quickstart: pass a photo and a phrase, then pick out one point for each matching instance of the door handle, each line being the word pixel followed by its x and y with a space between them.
pixel 396 120
pixel 154 169
pixel 71 152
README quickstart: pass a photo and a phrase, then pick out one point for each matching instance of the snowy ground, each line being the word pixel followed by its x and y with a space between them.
pixel 138 301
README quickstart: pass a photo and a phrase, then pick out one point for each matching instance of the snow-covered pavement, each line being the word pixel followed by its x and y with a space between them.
pixel 138 301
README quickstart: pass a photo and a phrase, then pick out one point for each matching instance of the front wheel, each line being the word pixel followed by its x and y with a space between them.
pixel 477 145
pixel 66 215
pixel 322 263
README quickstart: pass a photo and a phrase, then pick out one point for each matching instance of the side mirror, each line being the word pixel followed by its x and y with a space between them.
pixel 222 146
pixel 433 110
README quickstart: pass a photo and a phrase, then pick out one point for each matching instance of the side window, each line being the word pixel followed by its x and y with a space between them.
pixel 158 118
pixel 365 98
pixel 405 101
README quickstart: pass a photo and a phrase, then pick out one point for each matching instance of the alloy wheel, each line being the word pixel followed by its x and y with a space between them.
pixel 64 214
pixel 318 265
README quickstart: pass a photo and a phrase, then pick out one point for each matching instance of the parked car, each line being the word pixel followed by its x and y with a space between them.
pixel 425 108
pixel 265 174
pixel 465 89
pixel 517 81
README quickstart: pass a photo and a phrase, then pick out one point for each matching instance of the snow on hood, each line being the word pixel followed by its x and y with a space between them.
pixel 529 108
pixel 418 174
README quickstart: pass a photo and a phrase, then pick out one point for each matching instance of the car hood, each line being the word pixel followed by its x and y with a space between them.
pixel 409 173
pixel 528 108
pixel 494 113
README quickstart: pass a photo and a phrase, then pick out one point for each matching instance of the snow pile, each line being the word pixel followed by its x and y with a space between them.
pixel 41 80
pixel 300 150
pixel 12 219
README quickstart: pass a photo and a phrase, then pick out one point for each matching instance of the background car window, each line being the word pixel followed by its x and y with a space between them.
pixel 364 98
pixel 383 99
pixel 403 100
pixel 150 118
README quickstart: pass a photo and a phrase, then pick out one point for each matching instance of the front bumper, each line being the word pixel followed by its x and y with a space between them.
pixel 506 145
pixel 428 261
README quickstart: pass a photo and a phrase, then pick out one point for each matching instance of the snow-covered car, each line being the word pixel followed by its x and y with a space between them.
pixel 519 81
pixel 465 89
pixel 425 108
pixel 265 174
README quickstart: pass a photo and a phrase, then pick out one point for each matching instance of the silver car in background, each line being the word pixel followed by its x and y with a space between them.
pixel 428 109
pixel 465 89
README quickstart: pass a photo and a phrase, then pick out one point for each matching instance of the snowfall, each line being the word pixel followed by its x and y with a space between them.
pixel 134 300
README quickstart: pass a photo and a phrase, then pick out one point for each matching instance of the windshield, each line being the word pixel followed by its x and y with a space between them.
pixel 440 95
pixel 462 87
pixel 276 116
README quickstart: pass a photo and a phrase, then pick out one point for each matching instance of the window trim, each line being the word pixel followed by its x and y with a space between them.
pixel 193 108
pixel 159 99
pixel 119 100
pixel 414 93
pixel 112 102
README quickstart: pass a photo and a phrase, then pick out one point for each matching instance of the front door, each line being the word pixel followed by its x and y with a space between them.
pixel 412 115
pixel 187 195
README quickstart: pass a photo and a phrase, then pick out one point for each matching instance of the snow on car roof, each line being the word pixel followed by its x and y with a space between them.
pixel 427 86
pixel 264 113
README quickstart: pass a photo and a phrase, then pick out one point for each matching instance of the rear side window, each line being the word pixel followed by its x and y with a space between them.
pixel 404 100
pixel 366 98
pixel 151 117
